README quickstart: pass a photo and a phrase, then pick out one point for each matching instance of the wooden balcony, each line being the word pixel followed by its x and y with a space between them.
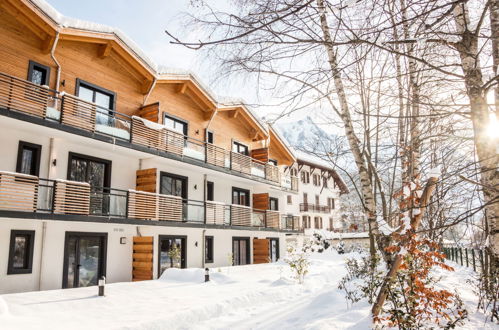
pixel 19 95
pixel 27 193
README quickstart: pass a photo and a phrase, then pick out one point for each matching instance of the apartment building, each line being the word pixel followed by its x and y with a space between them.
pixel 112 166
pixel 318 200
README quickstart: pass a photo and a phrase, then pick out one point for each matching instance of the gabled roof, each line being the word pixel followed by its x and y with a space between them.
pixel 48 22
pixel 275 138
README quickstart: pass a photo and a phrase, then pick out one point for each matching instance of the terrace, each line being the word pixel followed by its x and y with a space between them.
pixel 308 207
pixel 23 194
pixel 70 113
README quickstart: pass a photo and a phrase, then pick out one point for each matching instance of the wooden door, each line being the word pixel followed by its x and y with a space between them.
pixel 261 251
pixel 142 258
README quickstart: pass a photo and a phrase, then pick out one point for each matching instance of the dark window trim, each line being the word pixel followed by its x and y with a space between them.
pixel 175 118
pixel 102 260
pixel 107 173
pixel 278 246
pixel 208 184
pixel 32 65
pixel 248 250
pixel 38 149
pixel 235 142
pixel 176 176
pixel 289 199
pixel 182 264
pixel 212 135
pixel 97 88
pixel 31 247
pixel 240 190
pixel 276 201
pixel 273 161
pixel 206 259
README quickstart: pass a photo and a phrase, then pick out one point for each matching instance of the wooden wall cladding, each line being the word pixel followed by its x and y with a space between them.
pixel 261 154
pixel 261 201
pixel 142 266
pixel 146 180
pixel 150 112
pixel 261 251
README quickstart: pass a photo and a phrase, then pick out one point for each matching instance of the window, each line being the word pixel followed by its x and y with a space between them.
pixel 21 252
pixel 89 169
pixel 104 98
pixel 305 198
pixel 316 179
pixel 306 221
pixel 273 162
pixel 317 200
pixel 210 137
pixel 208 249
pixel 324 182
pixel 331 227
pixel 28 158
pixel 273 204
pixel 240 148
pixel 240 196
pixel 290 199
pixel 38 74
pixel 330 203
pixel 318 222
pixel 176 124
pixel 293 171
pixel 305 176
pixel 174 185
pixel 210 193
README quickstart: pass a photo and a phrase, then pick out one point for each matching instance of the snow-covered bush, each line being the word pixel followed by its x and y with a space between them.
pixel 174 253
pixel 319 243
pixel 297 259
pixel 364 277
pixel 340 247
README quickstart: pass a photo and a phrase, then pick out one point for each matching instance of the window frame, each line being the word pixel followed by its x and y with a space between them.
pixel 239 190
pixel 37 148
pixel 210 135
pixel 31 66
pixel 31 247
pixel 289 199
pixel 240 144
pixel 208 189
pixel 179 120
pixel 211 249
pixel 276 201
pixel 185 185
pixel 96 88
pixel 107 171
pixel 273 162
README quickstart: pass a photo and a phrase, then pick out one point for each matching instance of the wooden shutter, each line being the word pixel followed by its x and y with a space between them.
pixel 261 251
pixel 261 201
pixel 142 258
pixel 150 112
pixel 146 180
pixel 261 154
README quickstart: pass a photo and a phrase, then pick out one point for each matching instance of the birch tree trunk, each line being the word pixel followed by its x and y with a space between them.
pixel 353 140
pixel 485 146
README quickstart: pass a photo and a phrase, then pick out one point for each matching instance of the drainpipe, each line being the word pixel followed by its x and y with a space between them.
pixel 150 91
pixel 209 122
pixel 49 161
pixel 44 229
pixel 52 55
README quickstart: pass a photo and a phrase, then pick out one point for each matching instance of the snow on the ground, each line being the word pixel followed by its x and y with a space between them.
pixel 243 297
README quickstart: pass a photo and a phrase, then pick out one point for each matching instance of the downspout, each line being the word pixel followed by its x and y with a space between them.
pixel 44 229
pixel 49 162
pixel 205 183
pixel 150 91
pixel 209 122
pixel 52 55
pixel 202 248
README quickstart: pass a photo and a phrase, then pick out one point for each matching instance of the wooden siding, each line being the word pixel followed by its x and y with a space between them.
pixel 146 179
pixel 261 201
pixel 261 251
pixel 261 154
pixel 150 112
pixel 142 262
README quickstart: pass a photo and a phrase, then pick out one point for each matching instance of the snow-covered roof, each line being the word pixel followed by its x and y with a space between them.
pixel 159 71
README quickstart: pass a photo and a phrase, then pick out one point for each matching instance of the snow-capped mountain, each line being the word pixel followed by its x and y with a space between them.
pixel 302 133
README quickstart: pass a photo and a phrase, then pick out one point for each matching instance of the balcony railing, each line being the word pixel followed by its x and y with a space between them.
pixel 40 101
pixel 28 193
pixel 307 207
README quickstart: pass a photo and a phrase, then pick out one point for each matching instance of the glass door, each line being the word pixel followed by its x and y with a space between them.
pixel 175 185
pixel 240 251
pixel 172 252
pixel 274 249
pixel 84 259
pixel 96 172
